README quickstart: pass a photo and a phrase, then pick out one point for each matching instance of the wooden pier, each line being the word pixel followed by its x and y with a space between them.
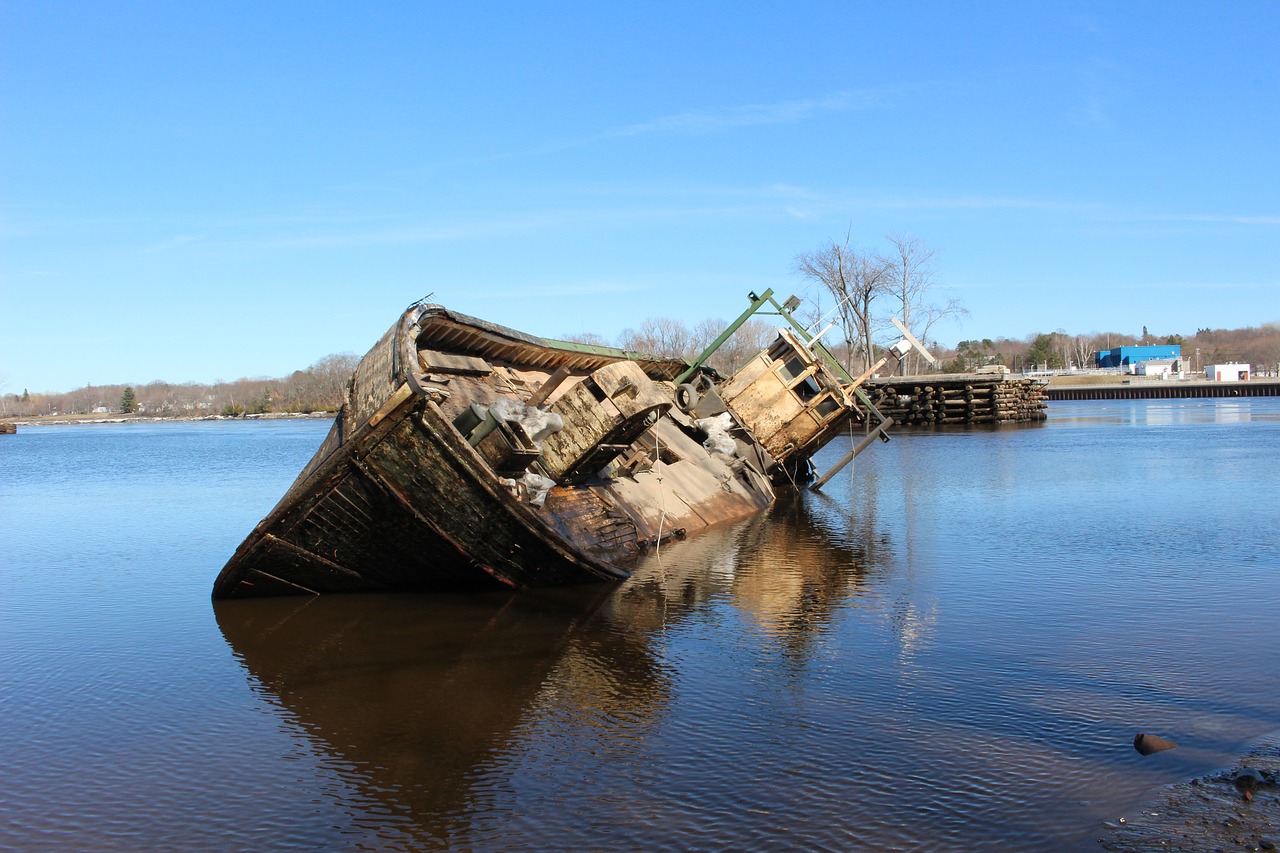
pixel 959 398
pixel 1162 390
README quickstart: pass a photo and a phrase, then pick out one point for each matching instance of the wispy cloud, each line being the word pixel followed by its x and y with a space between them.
pixel 1210 286
pixel 817 203
pixel 698 121
pixel 748 115
pixel 585 207
pixel 809 203
pixel 409 229
pixel 1223 218
pixel 482 227
pixel 414 233
pixel 540 291
pixel 581 207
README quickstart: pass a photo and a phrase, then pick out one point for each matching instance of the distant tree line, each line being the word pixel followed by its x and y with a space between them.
pixel 319 388
pixel 322 386
pixel 1255 345
pixel 1259 346
pixel 670 338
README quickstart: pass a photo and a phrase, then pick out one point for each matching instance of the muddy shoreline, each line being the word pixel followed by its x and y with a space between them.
pixel 1236 809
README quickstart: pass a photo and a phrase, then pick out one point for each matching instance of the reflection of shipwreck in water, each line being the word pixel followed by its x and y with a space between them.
pixel 421 701
pixel 788 569
pixel 469 454
pixel 411 694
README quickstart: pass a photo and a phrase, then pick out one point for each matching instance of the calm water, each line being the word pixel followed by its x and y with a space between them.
pixel 950 650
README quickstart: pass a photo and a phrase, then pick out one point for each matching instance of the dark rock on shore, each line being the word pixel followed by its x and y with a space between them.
pixel 1237 809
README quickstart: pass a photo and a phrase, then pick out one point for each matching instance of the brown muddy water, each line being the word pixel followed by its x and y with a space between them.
pixel 950 649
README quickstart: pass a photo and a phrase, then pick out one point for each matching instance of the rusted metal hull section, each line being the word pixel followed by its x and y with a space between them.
pixel 468 455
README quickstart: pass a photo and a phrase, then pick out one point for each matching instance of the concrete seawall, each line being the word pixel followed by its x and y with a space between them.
pixel 1156 390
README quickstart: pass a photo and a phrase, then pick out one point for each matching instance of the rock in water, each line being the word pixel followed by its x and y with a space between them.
pixel 1147 744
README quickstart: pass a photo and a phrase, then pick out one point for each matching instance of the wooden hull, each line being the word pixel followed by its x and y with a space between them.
pixel 406 494
pixel 408 506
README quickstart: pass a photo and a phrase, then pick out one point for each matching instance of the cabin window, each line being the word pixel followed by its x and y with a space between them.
pixel 806 390
pixel 791 369
pixel 826 408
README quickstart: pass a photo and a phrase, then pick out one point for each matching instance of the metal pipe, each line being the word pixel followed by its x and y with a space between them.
pixel 861 446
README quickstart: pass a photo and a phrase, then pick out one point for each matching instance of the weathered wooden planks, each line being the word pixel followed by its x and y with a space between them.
pixel 959 399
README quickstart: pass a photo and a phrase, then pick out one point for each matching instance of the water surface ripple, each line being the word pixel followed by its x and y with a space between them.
pixel 951 648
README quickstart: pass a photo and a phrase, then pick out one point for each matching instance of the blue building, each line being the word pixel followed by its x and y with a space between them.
pixel 1128 356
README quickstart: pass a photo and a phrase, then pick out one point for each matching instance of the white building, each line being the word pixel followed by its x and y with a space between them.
pixel 1227 372
pixel 1163 368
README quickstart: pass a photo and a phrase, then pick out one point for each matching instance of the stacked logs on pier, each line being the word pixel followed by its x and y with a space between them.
pixel 971 400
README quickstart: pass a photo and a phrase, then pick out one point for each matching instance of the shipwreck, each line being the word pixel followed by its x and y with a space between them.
pixel 469 455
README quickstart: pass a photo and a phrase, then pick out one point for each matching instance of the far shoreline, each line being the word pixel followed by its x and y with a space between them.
pixel 1062 382
pixel 120 418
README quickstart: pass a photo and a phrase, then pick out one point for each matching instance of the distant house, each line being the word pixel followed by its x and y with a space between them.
pixel 1227 372
pixel 1161 367
pixel 1129 357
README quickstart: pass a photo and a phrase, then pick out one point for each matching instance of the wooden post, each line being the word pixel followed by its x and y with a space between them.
pixel 546 388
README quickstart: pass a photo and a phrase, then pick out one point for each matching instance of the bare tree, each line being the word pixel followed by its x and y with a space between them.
pixel 1081 351
pixel 854 278
pixel 588 338
pixel 331 375
pixel 704 332
pixel 659 336
pixel 747 340
pixel 911 280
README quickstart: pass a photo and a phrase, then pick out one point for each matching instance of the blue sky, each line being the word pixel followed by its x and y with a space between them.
pixel 197 191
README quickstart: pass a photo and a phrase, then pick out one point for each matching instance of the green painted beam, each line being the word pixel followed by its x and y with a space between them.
pixel 817 346
pixel 756 303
